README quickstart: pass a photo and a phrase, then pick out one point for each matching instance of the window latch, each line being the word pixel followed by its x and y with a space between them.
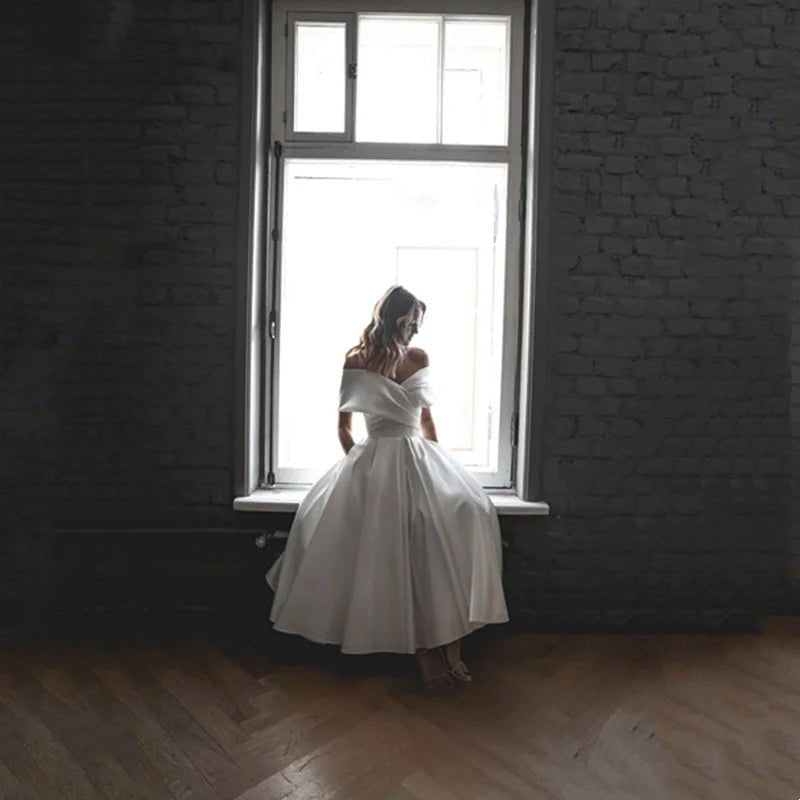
pixel 352 71
pixel 273 326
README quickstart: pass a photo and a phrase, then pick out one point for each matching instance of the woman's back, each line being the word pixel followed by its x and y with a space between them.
pixel 390 408
pixel 415 359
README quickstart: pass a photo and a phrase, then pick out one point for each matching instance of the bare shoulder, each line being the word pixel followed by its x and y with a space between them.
pixel 418 357
pixel 353 360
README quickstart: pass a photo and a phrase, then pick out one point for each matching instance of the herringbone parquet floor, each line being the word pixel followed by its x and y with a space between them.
pixel 574 717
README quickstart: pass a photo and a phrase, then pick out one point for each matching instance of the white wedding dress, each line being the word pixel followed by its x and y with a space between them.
pixel 397 546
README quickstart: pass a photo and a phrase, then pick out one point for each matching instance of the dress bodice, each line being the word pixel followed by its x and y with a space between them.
pixel 389 408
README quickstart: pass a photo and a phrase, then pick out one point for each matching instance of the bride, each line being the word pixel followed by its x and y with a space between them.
pixel 396 548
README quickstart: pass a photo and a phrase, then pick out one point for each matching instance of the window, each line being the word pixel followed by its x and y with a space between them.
pixel 287 135
pixel 396 158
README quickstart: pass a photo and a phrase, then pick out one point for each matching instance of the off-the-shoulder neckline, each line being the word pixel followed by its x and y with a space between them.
pixel 377 374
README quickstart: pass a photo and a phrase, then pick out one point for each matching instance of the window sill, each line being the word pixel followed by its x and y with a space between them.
pixel 505 501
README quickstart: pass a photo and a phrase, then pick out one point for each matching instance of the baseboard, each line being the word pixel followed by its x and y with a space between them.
pixel 643 622
pixel 252 624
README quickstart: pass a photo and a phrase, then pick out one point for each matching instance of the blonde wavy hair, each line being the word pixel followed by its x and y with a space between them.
pixel 384 341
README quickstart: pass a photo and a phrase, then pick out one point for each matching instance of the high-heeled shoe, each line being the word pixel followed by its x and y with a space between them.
pixel 460 672
pixel 456 668
pixel 434 681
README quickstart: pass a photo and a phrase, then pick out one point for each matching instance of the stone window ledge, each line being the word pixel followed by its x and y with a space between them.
pixel 287 499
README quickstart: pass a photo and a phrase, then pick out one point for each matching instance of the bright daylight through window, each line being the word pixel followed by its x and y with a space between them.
pixel 398 160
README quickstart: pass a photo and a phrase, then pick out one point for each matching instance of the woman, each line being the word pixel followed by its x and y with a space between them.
pixel 396 548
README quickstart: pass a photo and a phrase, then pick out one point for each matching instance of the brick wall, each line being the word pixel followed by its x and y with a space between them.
pixel 795 414
pixel 120 126
pixel 677 197
pixel 677 200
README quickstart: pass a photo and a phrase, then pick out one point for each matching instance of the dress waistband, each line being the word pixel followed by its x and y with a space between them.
pixel 380 427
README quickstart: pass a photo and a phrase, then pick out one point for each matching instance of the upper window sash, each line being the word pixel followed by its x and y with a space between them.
pixel 288 18
pixel 296 51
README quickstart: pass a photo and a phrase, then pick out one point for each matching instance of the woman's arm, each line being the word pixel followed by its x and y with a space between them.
pixel 426 423
pixel 352 360
pixel 345 430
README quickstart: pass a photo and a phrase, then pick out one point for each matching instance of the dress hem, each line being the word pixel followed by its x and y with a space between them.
pixel 361 652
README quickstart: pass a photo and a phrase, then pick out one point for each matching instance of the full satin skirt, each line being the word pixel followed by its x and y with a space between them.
pixel 395 548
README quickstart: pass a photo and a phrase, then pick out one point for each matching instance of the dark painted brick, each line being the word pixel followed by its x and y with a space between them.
pixel 694 215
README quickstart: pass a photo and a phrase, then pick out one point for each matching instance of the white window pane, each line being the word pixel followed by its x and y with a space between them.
pixel 397 96
pixel 350 230
pixel 320 77
pixel 451 280
pixel 475 96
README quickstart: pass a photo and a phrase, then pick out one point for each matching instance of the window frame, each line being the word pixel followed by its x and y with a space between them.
pixel 328 146
pixel 257 286
pixel 287 112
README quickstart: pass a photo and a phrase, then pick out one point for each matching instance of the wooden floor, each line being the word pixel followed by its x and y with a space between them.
pixel 548 717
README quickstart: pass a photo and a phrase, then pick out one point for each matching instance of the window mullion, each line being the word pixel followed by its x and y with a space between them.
pixel 379 150
pixel 440 87
pixel 273 317
pixel 352 77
